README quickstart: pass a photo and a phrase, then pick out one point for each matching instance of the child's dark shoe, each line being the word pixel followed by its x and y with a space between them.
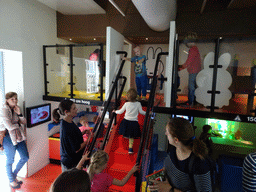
pixel 130 151
pixel 19 181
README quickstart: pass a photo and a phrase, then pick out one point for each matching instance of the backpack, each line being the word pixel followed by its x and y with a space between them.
pixel 213 170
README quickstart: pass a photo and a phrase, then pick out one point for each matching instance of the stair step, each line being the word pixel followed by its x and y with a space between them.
pixel 121 175
pixel 121 167
pixel 121 156
pixel 125 188
pixel 119 171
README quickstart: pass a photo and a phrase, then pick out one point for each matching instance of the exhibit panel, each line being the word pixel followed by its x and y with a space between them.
pixel 74 71
pixel 225 80
pixel 114 43
pixel 195 73
pixel 87 72
pixel 241 69
pixel 169 66
pixel 57 70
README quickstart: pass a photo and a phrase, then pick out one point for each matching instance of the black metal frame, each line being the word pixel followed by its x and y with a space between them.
pixel 213 90
pixel 214 82
pixel 175 72
pixel 145 131
pixel 107 106
pixel 71 83
pixel 113 117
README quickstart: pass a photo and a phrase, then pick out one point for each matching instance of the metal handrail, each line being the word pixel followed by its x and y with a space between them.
pixel 107 104
pixel 113 114
pixel 145 131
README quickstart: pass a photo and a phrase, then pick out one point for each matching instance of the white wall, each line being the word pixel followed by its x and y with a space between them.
pixel 114 43
pixel 27 25
pixel 13 79
pixel 151 60
pixel 127 67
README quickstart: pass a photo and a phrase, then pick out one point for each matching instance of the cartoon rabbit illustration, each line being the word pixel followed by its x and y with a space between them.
pixel 205 77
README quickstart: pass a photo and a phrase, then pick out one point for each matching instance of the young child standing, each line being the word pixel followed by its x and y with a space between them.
pixel 130 127
pixel 85 129
pixel 140 70
pixel 101 181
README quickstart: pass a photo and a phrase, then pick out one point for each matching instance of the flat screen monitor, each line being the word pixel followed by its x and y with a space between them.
pixel 38 114
pixel 189 118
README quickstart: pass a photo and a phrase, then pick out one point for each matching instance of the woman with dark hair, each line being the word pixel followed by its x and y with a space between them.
pixel 73 180
pixel 180 134
pixel 13 137
pixel 71 138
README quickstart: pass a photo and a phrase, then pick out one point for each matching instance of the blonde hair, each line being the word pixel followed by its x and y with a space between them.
pixel 132 94
pixel 98 160
pixel 83 118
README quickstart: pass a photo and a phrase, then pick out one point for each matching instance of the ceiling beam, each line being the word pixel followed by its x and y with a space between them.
pixel 203 6
pixel 117 7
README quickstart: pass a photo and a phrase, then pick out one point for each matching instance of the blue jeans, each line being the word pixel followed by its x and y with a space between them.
pixel 10 151
pixel 191 88
pixel 141 84
pixel 63 168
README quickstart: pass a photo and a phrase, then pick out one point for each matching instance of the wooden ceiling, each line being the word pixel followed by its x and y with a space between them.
pixel 209 18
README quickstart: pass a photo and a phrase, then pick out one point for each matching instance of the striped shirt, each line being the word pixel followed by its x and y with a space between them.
pixel 249 173
pixel 179 177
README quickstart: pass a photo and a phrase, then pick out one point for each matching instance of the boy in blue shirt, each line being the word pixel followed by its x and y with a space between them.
pixel 140 72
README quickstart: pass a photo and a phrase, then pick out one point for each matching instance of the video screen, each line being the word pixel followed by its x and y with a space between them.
pixel 189 118
pixel 38 114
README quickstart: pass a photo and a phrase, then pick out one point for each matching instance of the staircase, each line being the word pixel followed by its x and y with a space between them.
pixel 120 162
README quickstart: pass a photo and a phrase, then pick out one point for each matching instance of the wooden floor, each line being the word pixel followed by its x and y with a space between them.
pixel 39 182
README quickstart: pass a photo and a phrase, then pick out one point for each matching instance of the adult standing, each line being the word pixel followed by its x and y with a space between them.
pixel 71 138
pixel 181 136
pixel 14 136
pixel 193 65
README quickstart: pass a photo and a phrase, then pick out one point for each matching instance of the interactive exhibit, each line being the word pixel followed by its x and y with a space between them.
pixel 72 72
pixel 38 114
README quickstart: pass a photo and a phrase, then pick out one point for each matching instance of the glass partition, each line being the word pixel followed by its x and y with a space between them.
pixel 58 71
pixel 194 76
pixel 232 76
pixel 82 80
pixel 87 72
pixel 238 59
